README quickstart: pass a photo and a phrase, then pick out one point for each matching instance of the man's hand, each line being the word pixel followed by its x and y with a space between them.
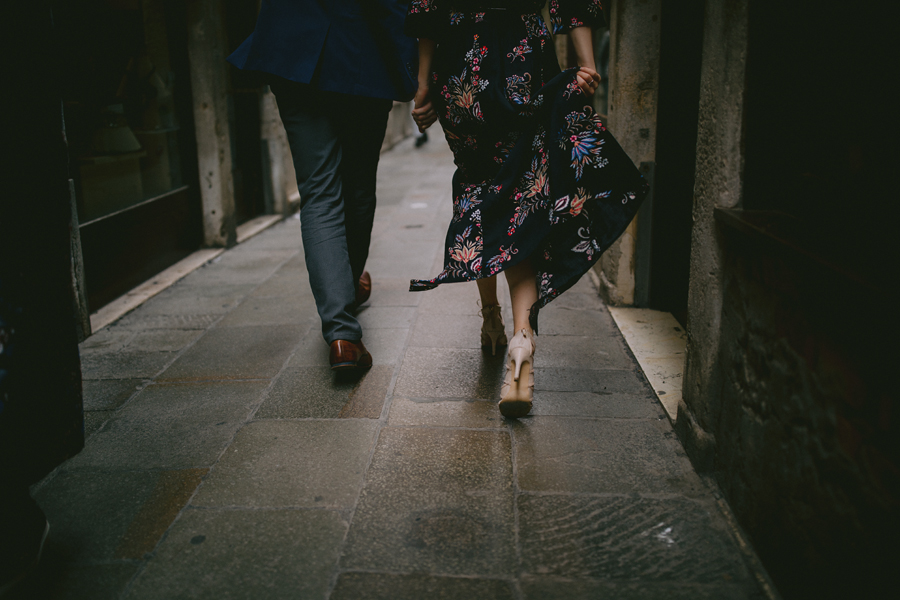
pixel 588 80
pixel 423 114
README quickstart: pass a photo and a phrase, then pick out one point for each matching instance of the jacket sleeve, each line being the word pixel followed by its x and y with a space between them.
pixel 424 19
pixel 566 15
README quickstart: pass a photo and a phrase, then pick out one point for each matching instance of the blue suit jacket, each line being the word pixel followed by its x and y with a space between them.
pixel 349 46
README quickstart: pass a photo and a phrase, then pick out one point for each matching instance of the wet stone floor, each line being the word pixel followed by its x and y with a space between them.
pixel 224 460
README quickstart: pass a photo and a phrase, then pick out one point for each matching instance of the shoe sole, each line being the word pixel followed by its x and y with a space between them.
pixel 515 408
pixel 349 366
pixel 344 366
pixel 517 402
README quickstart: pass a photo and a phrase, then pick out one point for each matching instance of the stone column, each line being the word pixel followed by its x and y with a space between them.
pixel 209 85
pixel 633 86
pixel 281 167
pixel 718 183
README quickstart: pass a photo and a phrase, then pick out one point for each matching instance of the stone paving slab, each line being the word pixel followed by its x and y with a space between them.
pixel 392 292
pixel 601 456
pixel 127 364
pixel 450 373
pixel 94 420
pixel 90 510
pixel 288 282
pixel 139 321
pixel 580 352
pixel 319 393
pixel 386 344
pixel 626 538
pixel 585 589
pixel 173 426
pixel 447 331
pixel 382 586
pixel 162 340
pixel 252 352
pixel 189 298
pixel 429 412
pixel 277 310
pixel 109 394
pixel 436 500
pixel 555 320
pixel 226 554
pixel 608 405
pixel 107 339
pixel 385 317
pixel 292 464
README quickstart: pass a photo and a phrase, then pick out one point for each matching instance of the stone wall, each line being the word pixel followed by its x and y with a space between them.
pixel 633 83
pixel 717 183
pixel 807 455
pixel 400 125
pixel 787 399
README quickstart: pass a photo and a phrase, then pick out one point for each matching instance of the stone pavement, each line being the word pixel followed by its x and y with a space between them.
pixel 225 461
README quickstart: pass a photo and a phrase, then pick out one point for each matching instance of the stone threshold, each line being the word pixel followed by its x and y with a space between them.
pixel 658 343
pixel 165 279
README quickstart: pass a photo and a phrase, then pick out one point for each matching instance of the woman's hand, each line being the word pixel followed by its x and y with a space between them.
pixel 588 80
pixel 423 114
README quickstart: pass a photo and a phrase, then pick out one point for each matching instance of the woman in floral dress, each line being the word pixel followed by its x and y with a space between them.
pixel 541 188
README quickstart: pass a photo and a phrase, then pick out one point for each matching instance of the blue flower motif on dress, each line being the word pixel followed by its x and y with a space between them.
pixel 495 263
pixel 582 136
pixel 535 27
pixel 518 88
pixel 466 201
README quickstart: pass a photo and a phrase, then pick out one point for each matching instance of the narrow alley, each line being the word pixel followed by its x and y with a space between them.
pixel 223 460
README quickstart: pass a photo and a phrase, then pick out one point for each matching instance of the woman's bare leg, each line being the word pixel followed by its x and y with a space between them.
pixel 517 391
pixel 522 293
pixel 487 289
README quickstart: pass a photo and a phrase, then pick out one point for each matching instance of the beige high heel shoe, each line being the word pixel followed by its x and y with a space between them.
pixel 492 332
pixel 518 385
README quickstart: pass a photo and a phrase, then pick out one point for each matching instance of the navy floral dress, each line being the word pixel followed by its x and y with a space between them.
pixel 538 175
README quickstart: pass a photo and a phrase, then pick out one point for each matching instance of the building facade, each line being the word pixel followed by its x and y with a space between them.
pixel 764 128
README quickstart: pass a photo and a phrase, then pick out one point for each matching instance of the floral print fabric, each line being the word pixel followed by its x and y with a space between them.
pixel 538 174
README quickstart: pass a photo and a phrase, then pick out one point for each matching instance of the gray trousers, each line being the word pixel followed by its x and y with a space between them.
pixel 335 143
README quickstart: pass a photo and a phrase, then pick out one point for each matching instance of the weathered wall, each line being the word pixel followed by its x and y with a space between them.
pixel 807 455
pixel 633 84
pixel 787 398
pixel 283 177
pixel 209 88
pixel 399 125
pixel 718 183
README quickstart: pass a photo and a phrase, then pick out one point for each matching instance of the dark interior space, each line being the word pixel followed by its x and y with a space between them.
pixel 129 124
pixel 821 140
pixel 821 127
pixel 244 117
pixel 681 49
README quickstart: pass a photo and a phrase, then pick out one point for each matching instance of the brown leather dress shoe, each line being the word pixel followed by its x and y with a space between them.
pixel 363 289
pixel 349 355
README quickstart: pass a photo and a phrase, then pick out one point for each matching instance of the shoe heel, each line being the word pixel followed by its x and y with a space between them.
pixel 492 333
pixel 517 356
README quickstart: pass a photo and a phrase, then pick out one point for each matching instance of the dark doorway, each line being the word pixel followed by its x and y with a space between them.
pixel 245 95
pixel 129 124
pixel 663 268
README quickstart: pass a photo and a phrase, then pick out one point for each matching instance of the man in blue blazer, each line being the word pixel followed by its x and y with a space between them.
pixel 335 67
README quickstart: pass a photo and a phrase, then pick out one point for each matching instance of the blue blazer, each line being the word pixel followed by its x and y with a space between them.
pixel 349 46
